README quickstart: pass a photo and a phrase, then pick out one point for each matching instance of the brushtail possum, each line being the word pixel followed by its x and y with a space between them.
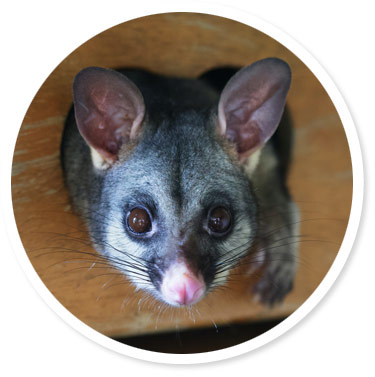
pixel 178 178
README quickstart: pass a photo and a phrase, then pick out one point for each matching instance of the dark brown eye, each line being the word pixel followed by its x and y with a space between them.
pixel 139 221
pixel 219 220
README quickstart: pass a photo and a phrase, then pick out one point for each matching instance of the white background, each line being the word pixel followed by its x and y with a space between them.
pixel 336 337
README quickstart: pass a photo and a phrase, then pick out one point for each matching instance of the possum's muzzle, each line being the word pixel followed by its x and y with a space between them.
pixel 181 286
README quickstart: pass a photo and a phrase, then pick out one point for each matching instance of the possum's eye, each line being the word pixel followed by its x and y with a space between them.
pixel 139 220
pixel 219 220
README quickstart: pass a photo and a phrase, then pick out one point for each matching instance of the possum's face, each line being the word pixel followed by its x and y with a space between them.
pixel 179 209
pixel 181 212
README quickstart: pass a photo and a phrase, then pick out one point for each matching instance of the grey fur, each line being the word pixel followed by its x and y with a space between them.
pixel 179 167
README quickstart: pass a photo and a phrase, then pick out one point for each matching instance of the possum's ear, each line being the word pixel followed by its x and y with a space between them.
pixel 252 104
pixel 109 110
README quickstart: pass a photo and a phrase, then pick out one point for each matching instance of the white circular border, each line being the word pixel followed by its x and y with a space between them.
pixel 313 300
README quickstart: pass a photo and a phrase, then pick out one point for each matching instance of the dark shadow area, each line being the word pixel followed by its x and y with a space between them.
pixel 200 340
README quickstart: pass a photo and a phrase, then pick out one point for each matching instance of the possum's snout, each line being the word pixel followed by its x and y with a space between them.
pixel 180 286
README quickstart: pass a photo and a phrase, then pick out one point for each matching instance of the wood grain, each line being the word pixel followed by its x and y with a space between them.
pixel 182 44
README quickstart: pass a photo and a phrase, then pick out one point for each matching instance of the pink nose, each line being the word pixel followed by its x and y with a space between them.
pixel 180 286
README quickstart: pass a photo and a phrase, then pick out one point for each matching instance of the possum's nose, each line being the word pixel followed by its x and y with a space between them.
pixel 180 286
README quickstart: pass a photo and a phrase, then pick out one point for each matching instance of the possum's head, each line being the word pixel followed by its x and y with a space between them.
pixel 179 209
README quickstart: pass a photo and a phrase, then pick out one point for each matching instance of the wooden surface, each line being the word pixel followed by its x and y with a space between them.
pixel 186 45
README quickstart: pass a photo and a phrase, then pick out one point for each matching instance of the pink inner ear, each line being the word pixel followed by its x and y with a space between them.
pixel 252 103
pixel 247 137
pixel 109 110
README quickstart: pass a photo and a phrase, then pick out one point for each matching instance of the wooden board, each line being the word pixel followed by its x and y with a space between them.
pixel 181 44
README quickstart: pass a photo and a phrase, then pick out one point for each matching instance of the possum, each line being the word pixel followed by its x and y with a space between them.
pixel 179 179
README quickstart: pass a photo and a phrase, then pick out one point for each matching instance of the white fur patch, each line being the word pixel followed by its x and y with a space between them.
pixel 98 161
pixel 252 162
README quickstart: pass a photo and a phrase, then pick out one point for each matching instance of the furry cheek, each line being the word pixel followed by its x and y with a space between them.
pixel 232 249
